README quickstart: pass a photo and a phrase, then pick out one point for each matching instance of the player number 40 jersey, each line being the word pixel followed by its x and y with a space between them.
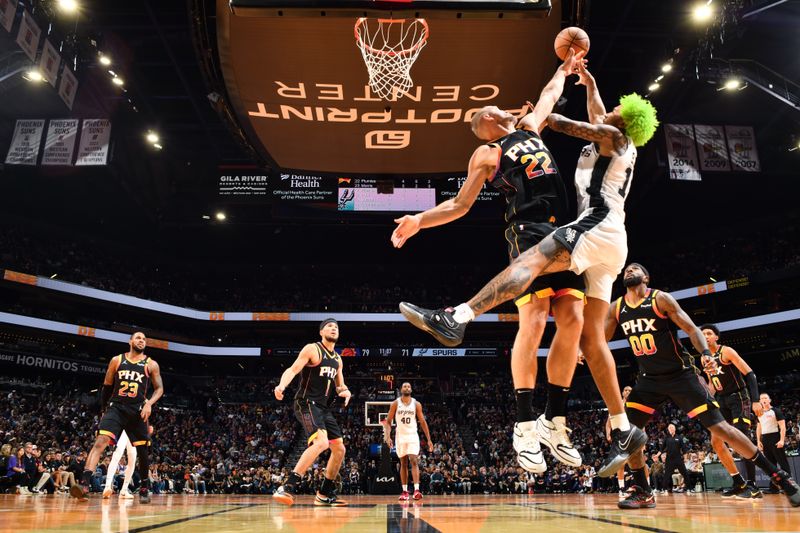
pixel 406 419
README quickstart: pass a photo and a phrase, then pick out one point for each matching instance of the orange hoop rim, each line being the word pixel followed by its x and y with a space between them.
pixel 374 51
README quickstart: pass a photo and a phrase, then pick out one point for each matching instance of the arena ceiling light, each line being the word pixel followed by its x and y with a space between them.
pixel 68 6
pixel 703 12
pixel 104 60
pixel 220 216
pixel 152 137
pixel 666 67
pixel 33 76
pixel 653 87
pixel 733 84
pixel 116 80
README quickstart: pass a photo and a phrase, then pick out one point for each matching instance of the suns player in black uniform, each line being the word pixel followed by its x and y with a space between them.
pixel 321 380
pixel 649 320
pixel 128 379
pixel 733 384
pixel 516 162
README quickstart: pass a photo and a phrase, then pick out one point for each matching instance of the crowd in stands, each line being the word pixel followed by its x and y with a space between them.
pixel 46 428
pixel 362 287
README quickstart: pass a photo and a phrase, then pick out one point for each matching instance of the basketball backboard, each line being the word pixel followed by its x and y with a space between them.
pixel 299 86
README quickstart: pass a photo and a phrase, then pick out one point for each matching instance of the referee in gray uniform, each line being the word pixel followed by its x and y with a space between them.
pixel 771 435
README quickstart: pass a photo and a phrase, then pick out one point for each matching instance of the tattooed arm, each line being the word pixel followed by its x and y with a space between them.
pixel 547 256
pixel 606 136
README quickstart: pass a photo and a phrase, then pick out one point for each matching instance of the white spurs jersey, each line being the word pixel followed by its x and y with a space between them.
pixel 406 419
pixel 602 183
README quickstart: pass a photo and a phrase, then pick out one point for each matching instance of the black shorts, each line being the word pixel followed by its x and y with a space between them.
pixel 685 389
pixel 522 236
pixel 125 417
pixel 314 417
pixel 736 409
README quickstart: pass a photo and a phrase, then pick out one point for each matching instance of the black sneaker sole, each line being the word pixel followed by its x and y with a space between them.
pixel 615 463
pixel 412 313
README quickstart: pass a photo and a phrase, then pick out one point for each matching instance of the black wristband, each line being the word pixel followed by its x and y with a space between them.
pixel 706 353
pixel 752 386
pixel 105 395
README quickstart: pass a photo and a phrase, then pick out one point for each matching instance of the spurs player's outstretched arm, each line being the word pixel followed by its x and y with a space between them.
pixel 595 108
pixel 608 137
pixel 424 424
pixel 387 424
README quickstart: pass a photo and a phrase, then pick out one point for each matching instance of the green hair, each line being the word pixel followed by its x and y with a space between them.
pixel 640 118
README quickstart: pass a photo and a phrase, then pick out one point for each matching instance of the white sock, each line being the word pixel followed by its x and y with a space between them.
pixel 463 314
pixel 621 483
pixel 416 486
pixel 620 422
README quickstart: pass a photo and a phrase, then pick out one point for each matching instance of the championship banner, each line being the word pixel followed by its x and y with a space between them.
pixel 8 8
pixel 95 137
pixel 49 63
pixel 68 86
pixel 681 152
pixel 28 36
pixel 742 147
pixel 24 147
pixel 59 145
pixel 711 147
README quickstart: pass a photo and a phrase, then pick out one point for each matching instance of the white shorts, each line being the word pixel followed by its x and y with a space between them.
pixel 407 447
pixel 598 247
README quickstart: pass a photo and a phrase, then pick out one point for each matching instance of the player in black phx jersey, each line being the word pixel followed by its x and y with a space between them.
pixel 733 383
pixel 124 392
pixel 649 320
pixel 321 380
pixel 594 245
pixel 515 161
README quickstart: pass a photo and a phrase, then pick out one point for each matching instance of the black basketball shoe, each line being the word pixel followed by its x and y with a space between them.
pixel 736 490
pixel 788 486
pixel 638 499
pixel 623 445
pixel 439 323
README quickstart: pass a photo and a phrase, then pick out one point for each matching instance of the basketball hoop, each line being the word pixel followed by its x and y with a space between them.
pixel 389 48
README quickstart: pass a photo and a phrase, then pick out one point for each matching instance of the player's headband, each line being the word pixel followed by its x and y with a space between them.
pixel 326 322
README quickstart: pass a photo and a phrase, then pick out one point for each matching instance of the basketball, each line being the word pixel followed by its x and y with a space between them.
pixel 573 37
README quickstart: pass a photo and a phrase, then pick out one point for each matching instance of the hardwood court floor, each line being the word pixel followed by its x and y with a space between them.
pixel 377 514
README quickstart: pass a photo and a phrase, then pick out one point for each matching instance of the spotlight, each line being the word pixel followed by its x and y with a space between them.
pixel 104 60
pixel 117 81
pixel 658 79
pixel 158 146
pixel 732 84
pixel 33 75
pixel 702 12
pixel 68 6
pixel 206 217
pixel 666 67
pixel 653 87
pixel 152 137
pixel 220 216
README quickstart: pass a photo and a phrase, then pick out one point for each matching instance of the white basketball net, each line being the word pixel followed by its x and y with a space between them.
pixel 389 48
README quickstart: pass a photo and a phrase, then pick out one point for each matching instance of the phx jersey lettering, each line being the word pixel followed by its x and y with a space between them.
pixel 666 369
pixel 652 337
pixel 536 203
pixel 316 392
pixel 730 392
pixel 407 436
pixel 131 382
